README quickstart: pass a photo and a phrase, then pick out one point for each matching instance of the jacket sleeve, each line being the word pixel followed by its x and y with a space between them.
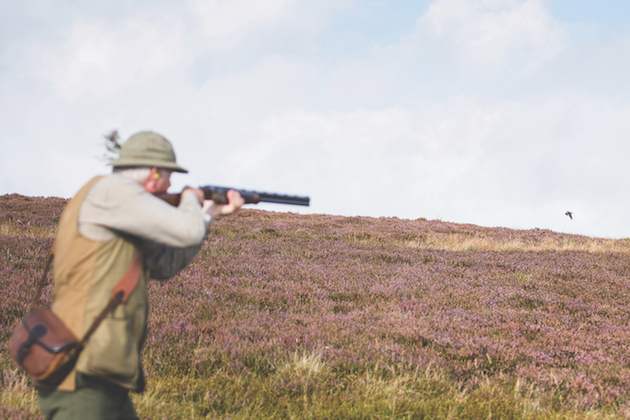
pixel 118 205
pixel 163 261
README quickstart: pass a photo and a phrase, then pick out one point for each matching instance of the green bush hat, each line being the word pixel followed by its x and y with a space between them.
pixel 147 149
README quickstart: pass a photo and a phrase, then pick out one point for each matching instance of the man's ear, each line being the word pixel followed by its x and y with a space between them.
pixel 155 173
pixel 150 185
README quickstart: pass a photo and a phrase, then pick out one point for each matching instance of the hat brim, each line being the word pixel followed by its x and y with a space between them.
pixel 148 163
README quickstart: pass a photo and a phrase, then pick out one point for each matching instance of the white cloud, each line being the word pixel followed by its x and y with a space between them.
pixel 359 83
pixel 490 33
pixel 365 159
pixel 242 30
pixel 518 164
pixel 99 59
pixel 224 18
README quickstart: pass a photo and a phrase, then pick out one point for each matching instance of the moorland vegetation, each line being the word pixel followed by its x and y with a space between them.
pixel 284 315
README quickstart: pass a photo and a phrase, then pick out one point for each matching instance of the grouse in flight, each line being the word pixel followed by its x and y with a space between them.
pixel 570 214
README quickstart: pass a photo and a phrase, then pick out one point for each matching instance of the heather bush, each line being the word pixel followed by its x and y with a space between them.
pixel 31 216
pixel 311 316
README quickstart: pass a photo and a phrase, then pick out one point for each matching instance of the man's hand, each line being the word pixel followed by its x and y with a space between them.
pixel 196 191
pixel 235 202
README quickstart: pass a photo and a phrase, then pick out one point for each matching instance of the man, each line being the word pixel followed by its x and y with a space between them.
pixel 102 229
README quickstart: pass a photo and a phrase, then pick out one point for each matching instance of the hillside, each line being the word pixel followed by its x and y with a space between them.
pixel 313 316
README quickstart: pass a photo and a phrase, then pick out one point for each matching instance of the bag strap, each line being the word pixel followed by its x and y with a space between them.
pixel 129 280
pixel 121 291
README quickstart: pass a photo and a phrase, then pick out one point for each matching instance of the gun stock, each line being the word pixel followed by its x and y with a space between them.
pixel 219 196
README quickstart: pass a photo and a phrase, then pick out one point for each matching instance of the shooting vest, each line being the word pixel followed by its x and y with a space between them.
pixel 85 273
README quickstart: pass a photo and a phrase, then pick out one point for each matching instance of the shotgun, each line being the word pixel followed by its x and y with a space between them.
pixel 219 196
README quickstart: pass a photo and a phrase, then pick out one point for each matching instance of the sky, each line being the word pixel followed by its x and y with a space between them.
pixel 490 112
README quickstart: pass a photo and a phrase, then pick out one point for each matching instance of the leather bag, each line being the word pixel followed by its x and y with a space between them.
pixel 45 347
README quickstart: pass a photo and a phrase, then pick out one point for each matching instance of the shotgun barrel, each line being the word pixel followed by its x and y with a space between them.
pixel 219 196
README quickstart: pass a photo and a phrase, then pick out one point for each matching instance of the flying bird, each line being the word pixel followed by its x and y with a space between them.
pixel 570 214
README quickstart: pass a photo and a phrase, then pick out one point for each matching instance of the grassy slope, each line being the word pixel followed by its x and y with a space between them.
pixel 293 316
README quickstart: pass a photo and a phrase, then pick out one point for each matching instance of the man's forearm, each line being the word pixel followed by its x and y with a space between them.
pixel 164 262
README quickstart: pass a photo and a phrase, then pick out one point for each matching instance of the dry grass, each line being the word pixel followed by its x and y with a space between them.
pixel 16 229
pixel 305 387
pixel 458 242
pixel 448 242
pixel 17 392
